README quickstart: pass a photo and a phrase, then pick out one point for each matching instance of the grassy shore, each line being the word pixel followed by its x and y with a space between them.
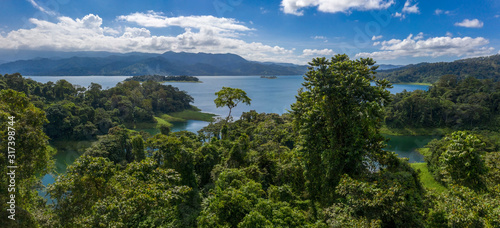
pixel 414 83
pixel 161 82
pixel 426 177
pixel 192 114
pixel 167 119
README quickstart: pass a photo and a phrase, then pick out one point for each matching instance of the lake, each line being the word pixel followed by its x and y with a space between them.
pixel 268 95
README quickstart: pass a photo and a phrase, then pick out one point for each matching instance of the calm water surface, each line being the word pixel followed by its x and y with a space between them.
pixel 268 95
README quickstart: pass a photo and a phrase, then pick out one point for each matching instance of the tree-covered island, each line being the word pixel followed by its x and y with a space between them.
pixel 163 78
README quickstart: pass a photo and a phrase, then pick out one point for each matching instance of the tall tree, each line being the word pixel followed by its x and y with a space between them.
pixel 338 115
pixel 24 157
pixel 231 97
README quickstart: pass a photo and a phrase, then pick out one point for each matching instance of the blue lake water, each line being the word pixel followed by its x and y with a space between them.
pixel 268 95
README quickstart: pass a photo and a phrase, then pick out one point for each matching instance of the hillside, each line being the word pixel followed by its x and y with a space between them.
pixel 480 68
pixel 168 63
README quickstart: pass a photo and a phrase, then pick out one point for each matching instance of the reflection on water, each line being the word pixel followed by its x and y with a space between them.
pixel 406 146
pixel 67 153
pixel 190 125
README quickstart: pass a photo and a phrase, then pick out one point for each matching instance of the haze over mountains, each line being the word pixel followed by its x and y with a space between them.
pixel 168 63
pixel 54 63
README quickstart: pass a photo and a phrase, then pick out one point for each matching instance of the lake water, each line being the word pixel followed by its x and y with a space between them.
pixel 268 95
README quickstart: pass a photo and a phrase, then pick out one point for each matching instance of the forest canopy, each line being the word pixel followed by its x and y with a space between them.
pixel 321 165
pixel 80 113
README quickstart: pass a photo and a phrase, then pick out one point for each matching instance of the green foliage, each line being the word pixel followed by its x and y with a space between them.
pixel 323 165
pixel 463 207
pixel 175 153
pixel 80 113
pixel 138 148
pixel 337 116
pixel 457 159
pixel 231 97
pixel 480 68
pixel 32 156
pixel 164 129
pixel 462 163
pixel 115 146
pixel 95 194
pixel 492 163
pixel 390 205
pixel 458 104
pixel 162 78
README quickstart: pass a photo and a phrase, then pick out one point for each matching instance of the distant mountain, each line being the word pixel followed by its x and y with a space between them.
pixel 481 68
pixel 168 63
pixel 388 67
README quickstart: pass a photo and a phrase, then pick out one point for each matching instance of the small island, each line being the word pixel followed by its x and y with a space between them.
pixel 268 77
pixel 162 78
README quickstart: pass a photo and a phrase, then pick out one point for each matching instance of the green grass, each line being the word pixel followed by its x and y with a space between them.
pixel 193 114
pixel 426 177
pixel 414 83
pixel 167 119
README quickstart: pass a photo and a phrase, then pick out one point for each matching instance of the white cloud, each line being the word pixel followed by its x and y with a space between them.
pixel 333 6
pixel 419 36
pixel 449 34
pixel 42 9
pixel 317 52
pixel 400 15
pixel 474 23
pixel 377 37
pixel 157 20
pixel 319 37
pixel 440 11
pixel 408 8
pixel 88 34
pixel 431 47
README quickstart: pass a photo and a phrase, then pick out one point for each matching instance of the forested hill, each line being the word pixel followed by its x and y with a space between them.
pixel 480 68
pixel 168 63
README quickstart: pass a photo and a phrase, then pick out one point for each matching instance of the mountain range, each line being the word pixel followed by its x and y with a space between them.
pixel 168 63
pixel 487 67
pixel 56 63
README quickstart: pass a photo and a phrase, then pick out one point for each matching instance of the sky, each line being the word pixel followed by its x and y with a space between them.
pixel 290 31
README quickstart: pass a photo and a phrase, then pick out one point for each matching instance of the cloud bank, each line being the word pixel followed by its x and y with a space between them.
pixel 333 6
pixel 201 34
pixel 431 47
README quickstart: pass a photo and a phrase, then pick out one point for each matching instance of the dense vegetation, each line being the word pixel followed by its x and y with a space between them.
pixel 480 68
pixel 450 103
pixel 163 78
pixel 76 112
pixel 322 165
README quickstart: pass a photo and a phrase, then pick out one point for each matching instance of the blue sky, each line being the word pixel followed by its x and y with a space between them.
pixel 390 31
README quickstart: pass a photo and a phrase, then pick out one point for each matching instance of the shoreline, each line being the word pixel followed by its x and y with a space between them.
pixel 413 83
pixel 414 131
